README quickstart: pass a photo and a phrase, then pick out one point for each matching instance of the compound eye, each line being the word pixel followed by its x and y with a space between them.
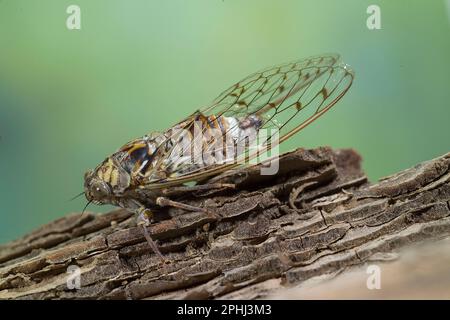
pixel 100 190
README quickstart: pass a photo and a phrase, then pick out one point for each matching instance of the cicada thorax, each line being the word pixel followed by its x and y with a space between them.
pixel 137 156
pixel 201 141
pixel 108 172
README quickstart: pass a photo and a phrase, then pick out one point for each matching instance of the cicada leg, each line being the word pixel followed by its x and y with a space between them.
pixel 165 202
pixel 143 220
pixel 173 191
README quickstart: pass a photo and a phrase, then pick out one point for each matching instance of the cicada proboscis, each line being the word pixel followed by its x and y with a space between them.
pixel 281 100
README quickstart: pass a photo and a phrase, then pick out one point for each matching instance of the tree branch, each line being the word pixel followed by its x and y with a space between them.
pixel 318 216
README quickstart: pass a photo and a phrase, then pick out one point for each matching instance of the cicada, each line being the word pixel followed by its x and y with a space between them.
pixel 281 100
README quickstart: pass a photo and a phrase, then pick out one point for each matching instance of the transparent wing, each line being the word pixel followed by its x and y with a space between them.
pixel 286 98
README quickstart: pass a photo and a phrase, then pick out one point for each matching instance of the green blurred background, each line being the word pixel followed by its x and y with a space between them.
pixel 68 98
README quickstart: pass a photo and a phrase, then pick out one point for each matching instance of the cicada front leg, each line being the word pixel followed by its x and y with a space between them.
pixel 144 216
pixel 143 220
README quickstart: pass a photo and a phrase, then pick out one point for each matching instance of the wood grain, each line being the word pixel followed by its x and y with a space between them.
pixel 317 217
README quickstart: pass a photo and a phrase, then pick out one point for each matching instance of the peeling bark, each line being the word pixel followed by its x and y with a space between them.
pixel 318 216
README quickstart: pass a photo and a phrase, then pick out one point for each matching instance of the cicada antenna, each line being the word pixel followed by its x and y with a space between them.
pixel 84 210
pixel 77 196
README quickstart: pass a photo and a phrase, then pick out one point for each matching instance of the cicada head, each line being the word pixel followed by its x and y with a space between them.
pixel 106 183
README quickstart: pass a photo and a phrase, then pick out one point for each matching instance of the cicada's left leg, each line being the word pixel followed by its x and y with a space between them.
pixel 165 202
pixel 179 190
pixel 143 220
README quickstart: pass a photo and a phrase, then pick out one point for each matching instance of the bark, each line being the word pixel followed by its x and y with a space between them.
pixel 318 216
